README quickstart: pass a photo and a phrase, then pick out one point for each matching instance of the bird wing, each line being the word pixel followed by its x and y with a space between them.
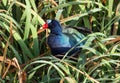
pixel 74 36
pixel 59 44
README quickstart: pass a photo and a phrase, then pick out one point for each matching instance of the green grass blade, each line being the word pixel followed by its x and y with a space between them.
pixel 35 40
pixel 26 51
pixel 28 21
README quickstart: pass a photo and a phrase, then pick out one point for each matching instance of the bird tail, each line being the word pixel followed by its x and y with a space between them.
pixel 81 29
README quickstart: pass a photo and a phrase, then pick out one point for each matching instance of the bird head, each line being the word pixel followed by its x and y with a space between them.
pixel 54 26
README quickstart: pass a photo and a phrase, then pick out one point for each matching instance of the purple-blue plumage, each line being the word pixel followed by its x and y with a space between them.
pixel 61 40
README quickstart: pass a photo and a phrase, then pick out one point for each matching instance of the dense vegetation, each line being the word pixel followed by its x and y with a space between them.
pixel 25 57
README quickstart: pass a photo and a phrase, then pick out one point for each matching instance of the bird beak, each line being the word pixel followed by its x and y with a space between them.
pixel 45 26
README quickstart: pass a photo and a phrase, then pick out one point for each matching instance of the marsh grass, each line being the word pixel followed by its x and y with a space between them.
pixel 25 57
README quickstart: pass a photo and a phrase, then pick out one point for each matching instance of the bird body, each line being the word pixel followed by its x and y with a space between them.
pixel 60 40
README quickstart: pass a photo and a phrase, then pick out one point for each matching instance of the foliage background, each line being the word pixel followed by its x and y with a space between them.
pixel 25 57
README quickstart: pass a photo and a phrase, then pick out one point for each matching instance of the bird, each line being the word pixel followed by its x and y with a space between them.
pixel 61 40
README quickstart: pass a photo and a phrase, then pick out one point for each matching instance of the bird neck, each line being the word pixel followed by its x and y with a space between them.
pixel 56 32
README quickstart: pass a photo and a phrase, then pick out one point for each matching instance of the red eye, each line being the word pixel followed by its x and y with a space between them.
pixel 45 26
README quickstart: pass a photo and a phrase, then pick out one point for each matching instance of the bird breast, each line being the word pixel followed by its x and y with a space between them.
pixel 56 41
